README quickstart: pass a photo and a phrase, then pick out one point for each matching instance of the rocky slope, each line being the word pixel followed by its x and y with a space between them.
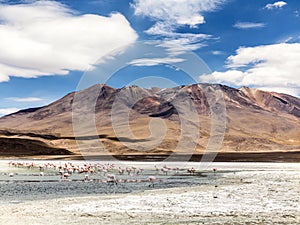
pixel 255 121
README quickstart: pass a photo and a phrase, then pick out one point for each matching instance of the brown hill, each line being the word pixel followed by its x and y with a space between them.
pixel 255 121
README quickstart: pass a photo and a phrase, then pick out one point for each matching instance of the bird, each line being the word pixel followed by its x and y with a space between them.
pixel 121 171
pixel 151 179
pixel 192 170
pixel 139 171
pixel 111 178
pixel 128 169
pixel 165 170
pixel 66 175
pixel 215 170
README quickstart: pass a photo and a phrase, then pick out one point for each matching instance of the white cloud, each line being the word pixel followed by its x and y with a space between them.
pixel 182 12
pixel 28 99
pixel 6 111
pixel 170 15
pixel 290 91
pixel 217 52
pixel 190 41
pixel 45 37
pixel 161 29
pixel 276 5
pixel 230 77
pixel 269 66
pixel 248 25
pixel 154 61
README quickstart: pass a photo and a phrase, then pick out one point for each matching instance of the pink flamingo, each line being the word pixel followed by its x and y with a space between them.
pixel 121 171
pixel 151 179
pixel 139 170
pixel 192 170
pixel 165 170
pixel 128 169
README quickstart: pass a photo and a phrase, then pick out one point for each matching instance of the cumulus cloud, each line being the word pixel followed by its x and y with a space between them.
pixel 272 67
pixel 45 37
pixel 276 5
pixel 248 25
pixel 6 111
pixel 182 12
pixel 170 15
pixel 28 99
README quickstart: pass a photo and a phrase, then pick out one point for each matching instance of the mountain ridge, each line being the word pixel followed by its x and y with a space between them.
pixel 256 120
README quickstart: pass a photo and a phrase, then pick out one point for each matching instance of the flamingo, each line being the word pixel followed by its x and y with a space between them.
pixel 66 175
pixel 215 170
pixel 111 178
pixel 41 167
pixel 165 170
pixel 134 168
pixel 128 169
pixel 30 165
pixel 86 177
pixel 121 171
pixel 192 170
pixel 139 170
pixel 121 181
pixel 151 179
pixel 61 172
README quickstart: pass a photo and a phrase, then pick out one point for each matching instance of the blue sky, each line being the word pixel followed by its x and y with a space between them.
pixel 47 46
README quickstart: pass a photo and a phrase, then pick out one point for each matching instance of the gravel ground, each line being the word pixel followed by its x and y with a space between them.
pixel 237 194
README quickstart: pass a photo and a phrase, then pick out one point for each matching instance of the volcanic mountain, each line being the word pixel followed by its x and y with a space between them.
pixel 135 120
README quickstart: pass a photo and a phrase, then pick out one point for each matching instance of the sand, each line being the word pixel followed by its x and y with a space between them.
pixel 243 194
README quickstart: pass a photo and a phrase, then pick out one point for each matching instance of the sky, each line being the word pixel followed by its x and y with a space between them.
pixel 49 48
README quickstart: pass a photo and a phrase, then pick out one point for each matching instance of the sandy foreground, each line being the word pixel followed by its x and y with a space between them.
pixel 239 197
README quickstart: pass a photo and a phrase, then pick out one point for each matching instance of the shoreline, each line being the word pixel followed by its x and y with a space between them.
pixel 275 156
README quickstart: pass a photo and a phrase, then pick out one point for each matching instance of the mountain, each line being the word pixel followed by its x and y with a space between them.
pixel 251 120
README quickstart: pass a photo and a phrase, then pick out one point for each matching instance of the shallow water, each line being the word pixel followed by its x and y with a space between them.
pixel 27 184
pixel 238 193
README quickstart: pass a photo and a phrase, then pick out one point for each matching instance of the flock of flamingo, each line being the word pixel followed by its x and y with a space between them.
pixel 108 171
